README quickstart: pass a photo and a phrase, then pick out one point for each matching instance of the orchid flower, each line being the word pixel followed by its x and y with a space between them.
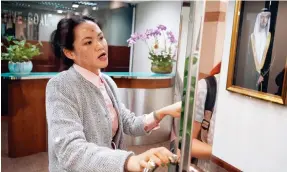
pixel 152 37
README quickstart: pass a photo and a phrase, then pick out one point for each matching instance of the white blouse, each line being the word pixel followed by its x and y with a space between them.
pixel 206 165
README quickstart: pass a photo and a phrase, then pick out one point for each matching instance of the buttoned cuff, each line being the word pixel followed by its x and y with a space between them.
pixel 150 123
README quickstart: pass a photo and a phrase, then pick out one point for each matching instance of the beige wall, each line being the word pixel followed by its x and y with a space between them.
pixel 213 35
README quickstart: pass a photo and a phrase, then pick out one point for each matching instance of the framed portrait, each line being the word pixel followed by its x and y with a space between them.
pixel 258 53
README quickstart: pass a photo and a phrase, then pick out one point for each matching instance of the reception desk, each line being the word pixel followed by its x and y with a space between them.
pixel 27 130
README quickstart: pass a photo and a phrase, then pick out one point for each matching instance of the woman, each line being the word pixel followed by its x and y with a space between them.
pixel 86 120
pixel 202 148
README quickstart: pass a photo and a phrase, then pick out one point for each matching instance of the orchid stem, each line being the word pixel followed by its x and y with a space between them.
pixel 164 42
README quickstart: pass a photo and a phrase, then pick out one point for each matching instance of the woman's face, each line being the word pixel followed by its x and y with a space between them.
pixel 90 47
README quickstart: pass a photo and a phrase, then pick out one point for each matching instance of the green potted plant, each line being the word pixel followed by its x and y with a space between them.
pixel 162 47
pixel 19 54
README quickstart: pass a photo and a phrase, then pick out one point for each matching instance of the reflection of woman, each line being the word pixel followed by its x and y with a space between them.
pixel 20 28
pixel 86 120
pixel 260 41
pixel 202 148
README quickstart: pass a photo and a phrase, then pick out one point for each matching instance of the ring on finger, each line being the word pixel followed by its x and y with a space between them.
pixel 151 164
pixel 173 158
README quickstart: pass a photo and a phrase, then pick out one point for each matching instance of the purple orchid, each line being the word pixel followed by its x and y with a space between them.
pixel 143 37
pixel 131 41
pixel 149 32
pixel 171 37
pixel 135 36
pixel 156 40
pixel 161 27
pixel 156 32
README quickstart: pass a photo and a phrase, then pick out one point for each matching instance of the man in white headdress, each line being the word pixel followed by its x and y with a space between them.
pixel 260 42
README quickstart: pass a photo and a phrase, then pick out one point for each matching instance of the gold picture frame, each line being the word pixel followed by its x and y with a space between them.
pixel 282 99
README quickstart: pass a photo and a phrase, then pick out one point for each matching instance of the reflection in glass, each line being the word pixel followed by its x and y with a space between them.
pixel 190 78
pixel 36 20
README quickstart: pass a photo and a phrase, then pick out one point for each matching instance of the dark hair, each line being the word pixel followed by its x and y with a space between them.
pixel 63 37
pixel 216 69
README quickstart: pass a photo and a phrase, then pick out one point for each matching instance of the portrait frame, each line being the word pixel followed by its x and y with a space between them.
pixel 230 86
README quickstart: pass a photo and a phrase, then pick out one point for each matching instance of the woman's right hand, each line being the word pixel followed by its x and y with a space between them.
pixel 158 155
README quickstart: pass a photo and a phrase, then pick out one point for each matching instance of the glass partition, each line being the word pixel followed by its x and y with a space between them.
pixel 189 79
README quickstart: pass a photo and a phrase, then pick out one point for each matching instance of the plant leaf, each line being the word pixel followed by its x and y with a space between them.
pixel 9 38
pixel 194 60
pixel 22 43
pixel 21 51
pixel 25 57
pixel 16 42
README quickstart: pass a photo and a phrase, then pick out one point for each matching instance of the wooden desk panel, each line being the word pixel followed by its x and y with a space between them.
pixel 144 83
pixel 27 130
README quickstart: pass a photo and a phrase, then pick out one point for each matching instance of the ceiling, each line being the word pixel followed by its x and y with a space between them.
pixel 65 6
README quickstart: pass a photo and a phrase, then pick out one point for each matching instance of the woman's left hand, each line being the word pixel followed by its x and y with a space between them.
pixel 172 110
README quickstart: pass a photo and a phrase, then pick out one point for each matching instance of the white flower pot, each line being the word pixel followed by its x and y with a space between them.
pixel 20 68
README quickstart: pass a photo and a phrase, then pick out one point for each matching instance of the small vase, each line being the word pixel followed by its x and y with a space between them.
pixel 161 69
pixel 20 68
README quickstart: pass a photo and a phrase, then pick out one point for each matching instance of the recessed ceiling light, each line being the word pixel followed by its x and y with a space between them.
pixel 59 11
pixel 87 3
pixel 85 12
pixel 75 5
